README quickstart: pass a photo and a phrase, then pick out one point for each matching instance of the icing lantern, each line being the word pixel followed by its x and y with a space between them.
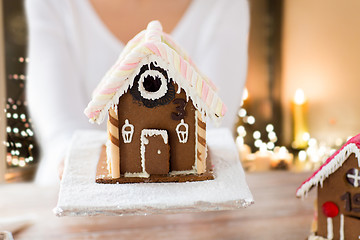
pixel 127 131
pixel 330 209
pixel 182 130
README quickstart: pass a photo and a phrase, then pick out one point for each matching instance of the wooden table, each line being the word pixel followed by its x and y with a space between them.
pixel 276 214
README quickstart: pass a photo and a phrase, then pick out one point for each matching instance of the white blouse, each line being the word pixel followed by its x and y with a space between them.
pixel 70 49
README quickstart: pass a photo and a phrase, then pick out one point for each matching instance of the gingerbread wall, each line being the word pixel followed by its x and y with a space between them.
pixel 182 155
pixel 337 189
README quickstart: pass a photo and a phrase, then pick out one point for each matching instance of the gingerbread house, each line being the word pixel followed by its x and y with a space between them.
pixel 338 202
pixel 157 102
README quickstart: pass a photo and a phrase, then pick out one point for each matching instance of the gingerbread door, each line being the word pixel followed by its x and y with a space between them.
pixel 351 227
pixel 155 151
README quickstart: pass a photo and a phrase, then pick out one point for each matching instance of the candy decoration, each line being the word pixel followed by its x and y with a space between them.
pixel 353 177
pixel 330 209
pixel 154 43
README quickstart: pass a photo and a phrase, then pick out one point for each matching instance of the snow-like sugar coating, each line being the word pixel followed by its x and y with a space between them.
pixel 80 195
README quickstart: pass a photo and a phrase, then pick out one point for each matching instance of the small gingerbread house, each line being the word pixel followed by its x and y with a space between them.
pixel 156 101
pixel 338 202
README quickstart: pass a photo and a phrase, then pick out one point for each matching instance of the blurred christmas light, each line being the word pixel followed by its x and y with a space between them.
pixel 258 143
pixel 239 141
pixel 241 131
pixel 251 120
pixel 242 112
pixel 263 147
pixel 272 136
pixel 338 142
pixel 15 161
pixel 22 163
pixel 257 135
pixel 302 156
pixel 269 128
pixel 306 136
pixel 20 137
pixel 312 142
pixel 270 145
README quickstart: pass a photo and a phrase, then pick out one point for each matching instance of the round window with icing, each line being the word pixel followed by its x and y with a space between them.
pixel 152 86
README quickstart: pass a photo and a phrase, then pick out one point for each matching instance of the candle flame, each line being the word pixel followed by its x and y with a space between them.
pixel 299 97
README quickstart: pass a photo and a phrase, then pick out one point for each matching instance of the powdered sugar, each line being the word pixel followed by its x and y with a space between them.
pixel 80 195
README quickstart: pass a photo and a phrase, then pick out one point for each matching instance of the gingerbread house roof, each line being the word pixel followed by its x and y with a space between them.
pixel 149 44
pixel 332 164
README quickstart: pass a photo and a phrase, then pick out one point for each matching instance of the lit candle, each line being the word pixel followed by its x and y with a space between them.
pixel 301 163
pixel 262 159
pixel 281 159
pixel 244 151
pixel 301 133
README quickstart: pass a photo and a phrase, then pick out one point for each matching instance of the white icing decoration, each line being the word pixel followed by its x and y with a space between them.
pixel 159 152
pixel 313 237
pixel 330 233
pixel 329 168
pixel 342 227
pixel 152 95
pixel 152 132
pixel 144 141
pixel 108 156
pixel 128 80
pixel 356 177
pixel 182 134
pixel 185 172
pixel 114 107
pixel 127 134
pixel 141 174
